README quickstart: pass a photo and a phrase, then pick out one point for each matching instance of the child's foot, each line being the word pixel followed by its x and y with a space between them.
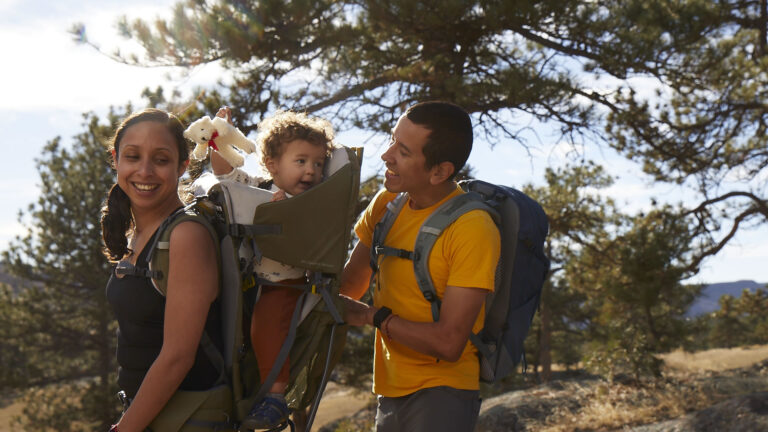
pixel 268 413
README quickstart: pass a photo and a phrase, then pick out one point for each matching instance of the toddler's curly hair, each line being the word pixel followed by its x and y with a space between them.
pixel 286 126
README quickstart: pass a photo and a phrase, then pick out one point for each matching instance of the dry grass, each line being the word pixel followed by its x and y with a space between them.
pixel 691 382
pixel 716 359
pixel 608 406
pixel 7 413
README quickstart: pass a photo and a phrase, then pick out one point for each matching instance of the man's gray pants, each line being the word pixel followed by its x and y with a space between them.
pixel 431 409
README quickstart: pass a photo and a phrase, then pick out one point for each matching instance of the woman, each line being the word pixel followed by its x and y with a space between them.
pixel 158 347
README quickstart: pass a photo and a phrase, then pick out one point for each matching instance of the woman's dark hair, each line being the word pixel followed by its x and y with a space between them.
pixel 450 137
pixel 116 218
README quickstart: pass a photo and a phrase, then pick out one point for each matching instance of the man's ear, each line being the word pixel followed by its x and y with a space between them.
pixel 441 172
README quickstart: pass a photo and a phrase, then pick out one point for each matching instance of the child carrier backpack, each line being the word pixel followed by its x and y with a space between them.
pixel 520 273
pixel 247 226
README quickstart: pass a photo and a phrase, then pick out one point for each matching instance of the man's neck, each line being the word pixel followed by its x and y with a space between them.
pixel 431 196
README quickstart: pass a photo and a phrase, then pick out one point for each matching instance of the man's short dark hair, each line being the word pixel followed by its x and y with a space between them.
pixel 450 137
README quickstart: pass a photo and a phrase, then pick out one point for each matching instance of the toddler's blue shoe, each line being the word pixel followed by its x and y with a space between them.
pixel 270 413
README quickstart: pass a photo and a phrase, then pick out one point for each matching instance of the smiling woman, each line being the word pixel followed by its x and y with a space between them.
pixel 150 153
pixel 158 346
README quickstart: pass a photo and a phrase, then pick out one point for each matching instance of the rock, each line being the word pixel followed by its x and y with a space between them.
pixel 747 413
pixel 513 411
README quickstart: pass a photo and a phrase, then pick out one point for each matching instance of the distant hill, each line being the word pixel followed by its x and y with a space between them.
pixel 708 302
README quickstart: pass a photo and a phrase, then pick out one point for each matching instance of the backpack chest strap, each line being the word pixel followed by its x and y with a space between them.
pixel 390 251
pixel 429 231
pixel 125 268
pixel 380 232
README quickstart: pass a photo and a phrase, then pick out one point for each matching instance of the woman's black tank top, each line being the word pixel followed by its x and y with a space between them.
pixel 140 309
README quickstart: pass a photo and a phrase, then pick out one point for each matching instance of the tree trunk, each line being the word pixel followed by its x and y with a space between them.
pixel 545 354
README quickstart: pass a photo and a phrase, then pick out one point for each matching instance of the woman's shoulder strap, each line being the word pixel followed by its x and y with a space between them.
pixel 158 256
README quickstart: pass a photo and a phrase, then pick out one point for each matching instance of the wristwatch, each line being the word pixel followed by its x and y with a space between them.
pixel 380 316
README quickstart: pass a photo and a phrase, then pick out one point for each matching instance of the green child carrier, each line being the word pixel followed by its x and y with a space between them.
pixel 310 230
pixel 520 273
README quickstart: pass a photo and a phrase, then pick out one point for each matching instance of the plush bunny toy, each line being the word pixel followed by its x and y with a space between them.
pixel 221 136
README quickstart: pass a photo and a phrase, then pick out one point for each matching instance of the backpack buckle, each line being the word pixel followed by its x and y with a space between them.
pixel 249 282
pixel 401 253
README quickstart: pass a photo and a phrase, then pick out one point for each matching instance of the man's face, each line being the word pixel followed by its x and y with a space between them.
pixel 404 159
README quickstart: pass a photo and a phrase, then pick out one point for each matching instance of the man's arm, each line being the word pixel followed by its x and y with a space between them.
pixel 444 339
pixel 357 272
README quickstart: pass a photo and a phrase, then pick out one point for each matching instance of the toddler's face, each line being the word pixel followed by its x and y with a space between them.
pixel 299 167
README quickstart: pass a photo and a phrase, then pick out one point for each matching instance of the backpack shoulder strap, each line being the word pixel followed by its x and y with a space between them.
pixel 430 230
pixel 158 263
pixel 158 256
pixel 381 230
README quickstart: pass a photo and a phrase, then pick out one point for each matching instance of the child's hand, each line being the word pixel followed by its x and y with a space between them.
pixel 226 113
pixel 218 164
pixel 278 196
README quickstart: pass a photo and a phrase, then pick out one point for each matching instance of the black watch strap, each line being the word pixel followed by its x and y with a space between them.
pixel 380 316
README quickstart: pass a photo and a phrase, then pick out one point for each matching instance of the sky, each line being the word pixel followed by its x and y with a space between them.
pixel 49 81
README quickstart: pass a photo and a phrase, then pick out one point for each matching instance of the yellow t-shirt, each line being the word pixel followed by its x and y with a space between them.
pixel 465 255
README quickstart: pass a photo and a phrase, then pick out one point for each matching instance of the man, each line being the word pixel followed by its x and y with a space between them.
pixel 426 373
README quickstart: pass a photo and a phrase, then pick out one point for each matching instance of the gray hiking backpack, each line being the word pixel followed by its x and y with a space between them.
pixel 520 273
pixel 247 226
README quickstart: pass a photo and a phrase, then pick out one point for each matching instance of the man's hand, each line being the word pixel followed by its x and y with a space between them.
pixel 357 313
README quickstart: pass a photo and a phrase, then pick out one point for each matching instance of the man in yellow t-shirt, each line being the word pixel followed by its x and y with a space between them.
pixel 426 372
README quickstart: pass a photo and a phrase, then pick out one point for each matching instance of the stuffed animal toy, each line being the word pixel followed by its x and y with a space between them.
pixel 221 136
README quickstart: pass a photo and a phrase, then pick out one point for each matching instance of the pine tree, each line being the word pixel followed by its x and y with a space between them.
pixel 578 218
pixel 59 323
pixel 634 285
pixel 578 68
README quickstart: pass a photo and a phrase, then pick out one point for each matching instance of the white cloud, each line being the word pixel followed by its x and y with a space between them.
pixel 8 5
pixel 53 72
pixel 747 245
pixel 743 258
pixel 20 189
pixel 563 152
pixel 10 230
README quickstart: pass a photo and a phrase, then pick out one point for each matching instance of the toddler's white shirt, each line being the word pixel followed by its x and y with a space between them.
pixel 268 269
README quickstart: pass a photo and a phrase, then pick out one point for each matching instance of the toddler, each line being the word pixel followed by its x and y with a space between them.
pixel 293 148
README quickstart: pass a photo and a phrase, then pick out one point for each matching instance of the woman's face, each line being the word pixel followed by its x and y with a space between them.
pixel 148 166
